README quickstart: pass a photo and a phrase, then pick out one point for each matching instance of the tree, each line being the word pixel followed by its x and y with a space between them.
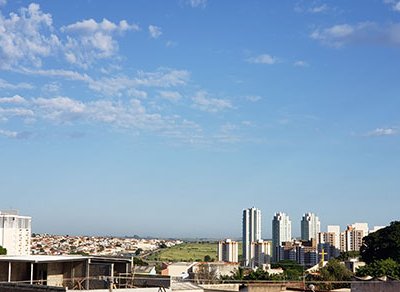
pixel 138 251
pixel 332 272
pixel 207 258
pixel 206 274
pixel 3 251
pixel 379 268
pixel 382 244
pixel 346 255
pixel 291 269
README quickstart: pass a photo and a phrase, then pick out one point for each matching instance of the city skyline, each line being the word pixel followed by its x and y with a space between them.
pixel 118 118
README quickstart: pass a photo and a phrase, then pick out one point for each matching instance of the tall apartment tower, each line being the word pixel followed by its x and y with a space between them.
pixel 15 233
pixel 310 226
pixel 281 232
pixel 228 251
pixel 251 232
pixel 262 253
pixel 351 238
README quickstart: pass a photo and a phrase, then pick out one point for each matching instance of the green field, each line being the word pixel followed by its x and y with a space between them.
pixel 186 252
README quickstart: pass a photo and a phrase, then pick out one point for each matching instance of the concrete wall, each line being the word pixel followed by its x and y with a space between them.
pixel 266 287
pixel 55 275
pixel 220 287
pixel 375 286
pixel 13 287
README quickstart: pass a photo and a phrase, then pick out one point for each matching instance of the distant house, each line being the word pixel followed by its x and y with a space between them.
pixel 178 270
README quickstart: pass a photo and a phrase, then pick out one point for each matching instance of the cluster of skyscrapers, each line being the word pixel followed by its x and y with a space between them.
pixel 307 250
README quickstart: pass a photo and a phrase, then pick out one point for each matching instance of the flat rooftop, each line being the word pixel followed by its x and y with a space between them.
pixel 55 258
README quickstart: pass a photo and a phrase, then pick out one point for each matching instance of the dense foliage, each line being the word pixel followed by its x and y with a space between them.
pixel 334 271
pixel 3 251
pixel 379 268
pixel 382 244
pixel 381 252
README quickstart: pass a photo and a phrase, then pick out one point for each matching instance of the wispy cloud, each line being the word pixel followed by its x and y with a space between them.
pixel 155 31
pixel 202 100
pixel 383 132
pixel 263 59
pixel 319 8
pixel 365 32
pixel 8 134
pixel 253 98
pixel 301 63
pixel 197 3
pixel 16 99
pixel 170 95
pixel 395 4
pixel 7 85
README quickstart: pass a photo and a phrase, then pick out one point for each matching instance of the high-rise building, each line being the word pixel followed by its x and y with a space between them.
pixel 281 232
pixel 335 229
pixel 310 226
pixel 351 238
pixel 251 232
pixel 262 253
pixel 15 233
pixel 228 251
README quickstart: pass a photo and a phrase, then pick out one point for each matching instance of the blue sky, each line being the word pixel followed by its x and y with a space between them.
pixel 167 118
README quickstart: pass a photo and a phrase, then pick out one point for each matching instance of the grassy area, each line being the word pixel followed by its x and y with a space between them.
pixel 186 252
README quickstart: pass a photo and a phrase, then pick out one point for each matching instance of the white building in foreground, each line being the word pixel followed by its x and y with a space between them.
pixel 15 233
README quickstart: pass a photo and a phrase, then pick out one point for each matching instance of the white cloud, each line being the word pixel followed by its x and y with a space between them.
pixel 197 3
pixel 395 4
pixel 90 26
pixel 171 44
pixel 383 132
pixel 202 101
pixel 365 32
pixel 26 37
pixel 6 85
pixel 93 40
pixel 263 59
pixel 155 31
pixel 170 95
pixel 8 134
pixel 123 114
pixel 253 98
pixel 300 63
pixel 161 78
pixel 16 99
pixel 319 9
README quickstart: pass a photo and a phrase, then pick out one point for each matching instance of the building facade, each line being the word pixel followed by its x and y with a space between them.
pixel 251 232
pixel 281 232
pixel 351 239
pixel 262 253
pixel 228 251
pixel 310 226
pixel 15 233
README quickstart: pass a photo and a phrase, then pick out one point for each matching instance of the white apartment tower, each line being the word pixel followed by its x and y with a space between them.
pixel 251 232
pixel 281 232
pixel 262 253
pixel 228 251
pixel 310 226
pixel 15 233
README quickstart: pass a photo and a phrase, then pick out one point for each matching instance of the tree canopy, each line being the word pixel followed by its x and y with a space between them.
pixel 379 268
pixel 382 244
